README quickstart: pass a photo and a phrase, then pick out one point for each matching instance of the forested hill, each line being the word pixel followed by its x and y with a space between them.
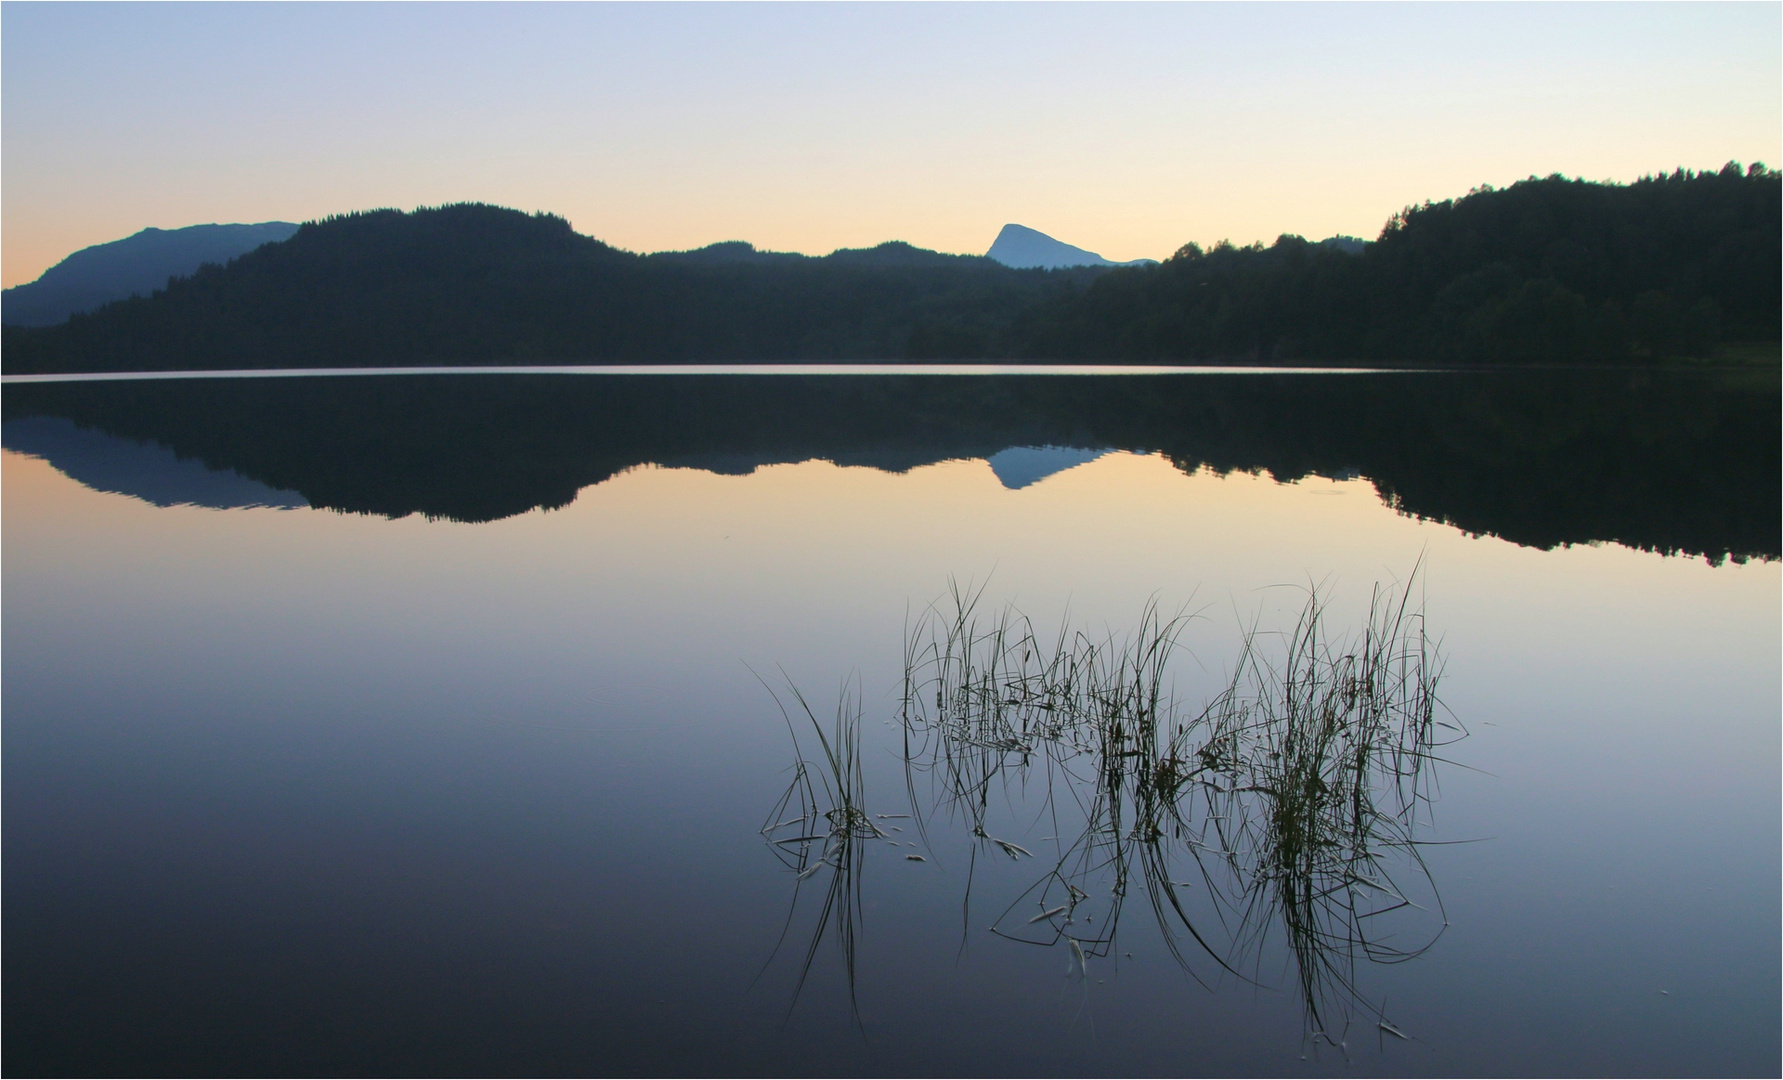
pixel 480 284
pixel 1550 270
pixel 1547 270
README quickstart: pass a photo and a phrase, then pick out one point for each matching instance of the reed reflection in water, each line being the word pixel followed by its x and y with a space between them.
pixel 1291 804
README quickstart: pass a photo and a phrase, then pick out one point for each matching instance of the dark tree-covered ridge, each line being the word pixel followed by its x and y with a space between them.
pixel 1545 271
pixel 471 283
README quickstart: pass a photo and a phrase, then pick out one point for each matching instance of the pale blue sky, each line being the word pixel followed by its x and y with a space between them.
pixel 1125 129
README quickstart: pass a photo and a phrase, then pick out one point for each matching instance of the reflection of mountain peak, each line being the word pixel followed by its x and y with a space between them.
pixel 1580 459
pixel 145 471
pixel 1020 466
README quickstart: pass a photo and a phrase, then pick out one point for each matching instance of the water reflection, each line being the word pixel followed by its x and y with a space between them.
pixel 327 793
pixel 148 472
pixel 1292 804
pixel 1019 466
pixel 1677 462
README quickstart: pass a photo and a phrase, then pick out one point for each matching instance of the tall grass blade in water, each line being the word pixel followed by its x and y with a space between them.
pixel 819 826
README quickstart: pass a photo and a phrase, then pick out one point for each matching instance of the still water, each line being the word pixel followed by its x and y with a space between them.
pixel 442 724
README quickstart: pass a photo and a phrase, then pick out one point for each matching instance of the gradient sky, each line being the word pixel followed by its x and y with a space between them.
pixel 1125 129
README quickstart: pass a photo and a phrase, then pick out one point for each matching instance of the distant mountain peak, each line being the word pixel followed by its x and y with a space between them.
pixel 1022 248
pixel 134 266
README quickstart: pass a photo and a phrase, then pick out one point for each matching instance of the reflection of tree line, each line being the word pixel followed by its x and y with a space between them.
pixel 1677 462
pixel 1291 803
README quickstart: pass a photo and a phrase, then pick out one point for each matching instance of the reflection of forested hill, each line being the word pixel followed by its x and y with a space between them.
pixel 1546 270
pixel 1670 462
pixel 145 471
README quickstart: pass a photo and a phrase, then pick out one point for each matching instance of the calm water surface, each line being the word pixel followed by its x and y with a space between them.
pixel 414 725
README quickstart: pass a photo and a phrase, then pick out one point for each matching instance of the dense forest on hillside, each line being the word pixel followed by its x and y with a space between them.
pixel 1546 270
pixel 480 284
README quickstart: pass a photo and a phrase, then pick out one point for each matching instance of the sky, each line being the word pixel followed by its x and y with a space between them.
pixel 1128 130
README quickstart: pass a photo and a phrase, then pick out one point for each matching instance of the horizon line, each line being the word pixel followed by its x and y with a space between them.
pixel 770 369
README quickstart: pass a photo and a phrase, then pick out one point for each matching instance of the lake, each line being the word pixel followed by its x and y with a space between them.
pixel 1318 723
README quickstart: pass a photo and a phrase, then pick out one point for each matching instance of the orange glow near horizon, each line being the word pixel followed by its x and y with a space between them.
pixel 684 581
pixel 1125 130
pixel 738 542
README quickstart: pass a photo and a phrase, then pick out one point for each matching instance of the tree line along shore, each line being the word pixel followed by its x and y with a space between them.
pixel 1548 270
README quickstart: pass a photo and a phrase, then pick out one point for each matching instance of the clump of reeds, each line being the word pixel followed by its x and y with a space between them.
pixel 1322 753
pixel 1293 794
pixel 1001 694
